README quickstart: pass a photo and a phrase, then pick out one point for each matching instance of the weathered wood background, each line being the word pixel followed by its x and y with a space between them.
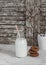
pixel 24 13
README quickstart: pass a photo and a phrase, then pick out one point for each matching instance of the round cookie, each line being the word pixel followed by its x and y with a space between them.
pixel 31 51
pixel 34 48
pixel 34 54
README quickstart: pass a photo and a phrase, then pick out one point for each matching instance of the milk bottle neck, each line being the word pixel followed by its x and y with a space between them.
pixel 21 36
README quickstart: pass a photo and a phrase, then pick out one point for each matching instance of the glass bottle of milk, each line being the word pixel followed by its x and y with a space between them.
pixel 20 46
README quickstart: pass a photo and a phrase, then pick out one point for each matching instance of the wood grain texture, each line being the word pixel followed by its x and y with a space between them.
pixel 12 13
pixel 27 14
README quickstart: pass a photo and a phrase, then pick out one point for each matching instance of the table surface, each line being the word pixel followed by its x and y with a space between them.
pixel 7 57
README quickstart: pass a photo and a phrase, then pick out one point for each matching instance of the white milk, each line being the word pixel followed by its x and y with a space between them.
pixel 21 47
pixel 42 41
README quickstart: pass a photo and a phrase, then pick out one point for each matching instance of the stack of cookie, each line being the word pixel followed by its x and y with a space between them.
pixel 34 51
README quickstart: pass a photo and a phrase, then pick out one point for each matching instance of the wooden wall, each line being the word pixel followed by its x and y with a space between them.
pixel 24 13
pixel 12 13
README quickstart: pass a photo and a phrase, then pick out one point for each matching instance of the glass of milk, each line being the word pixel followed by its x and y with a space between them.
pixel 42 41
pixel 20 46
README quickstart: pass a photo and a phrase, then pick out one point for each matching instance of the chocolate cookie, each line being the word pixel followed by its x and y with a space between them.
pixel 34 48
pixel 31 51
pixel 34 54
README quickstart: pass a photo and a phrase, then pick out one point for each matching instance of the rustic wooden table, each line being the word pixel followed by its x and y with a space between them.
pixel 7 57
